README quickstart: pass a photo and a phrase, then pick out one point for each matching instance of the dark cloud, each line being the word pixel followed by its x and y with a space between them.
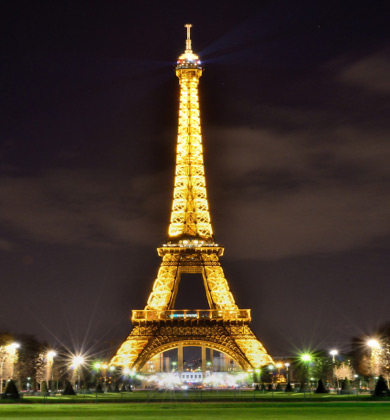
pixel 371 73
pixel 292 196
pixel 80 207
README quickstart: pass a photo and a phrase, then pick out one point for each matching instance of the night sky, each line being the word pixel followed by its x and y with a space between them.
pixel 295 118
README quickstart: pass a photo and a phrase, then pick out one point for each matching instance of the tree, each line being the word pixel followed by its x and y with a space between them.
pixel 30 361
pixel 384 355
pixel 11 392
pixel 381 388
pixel 322 366
pixel 346 387
pixel 321 388
pixel 344 370
pixel 68 389
pixel 363 356
pixel 44 389
pixel 7 356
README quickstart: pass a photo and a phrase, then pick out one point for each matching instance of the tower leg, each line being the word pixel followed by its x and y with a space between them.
pixel 180 358
pixel 204 361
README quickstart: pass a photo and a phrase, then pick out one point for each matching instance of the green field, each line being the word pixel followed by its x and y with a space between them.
pixel 201 411
pixel 155 396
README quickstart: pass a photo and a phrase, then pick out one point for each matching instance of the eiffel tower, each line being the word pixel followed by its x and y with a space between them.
pixel 190 249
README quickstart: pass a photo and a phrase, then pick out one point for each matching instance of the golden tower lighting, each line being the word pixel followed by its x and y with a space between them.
pixel 190 249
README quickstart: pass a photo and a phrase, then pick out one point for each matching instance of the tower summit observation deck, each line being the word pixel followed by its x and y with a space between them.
pixel 190 248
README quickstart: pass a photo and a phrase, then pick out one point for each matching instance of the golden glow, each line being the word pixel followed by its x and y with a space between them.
pixel 373 343
pixel 51 354
pixel 198 259
pixel 190 212
pixel 190 249
pixel 8 357
pixel 77 361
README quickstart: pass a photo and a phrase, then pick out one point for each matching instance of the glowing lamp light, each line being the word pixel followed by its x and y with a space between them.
pixel 306 357
pixel 97 365
pixel 334 352
pixel 279 365
pixel 14 346
pixel 373 343
pixel 112 368
pixel 51 354
pixel 77 361
pixel 104 366
pixel 287 365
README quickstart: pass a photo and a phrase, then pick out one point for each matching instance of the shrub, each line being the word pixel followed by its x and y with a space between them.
pixel 68 389
pixel 321 388
pixel 11 392
pixel 381 388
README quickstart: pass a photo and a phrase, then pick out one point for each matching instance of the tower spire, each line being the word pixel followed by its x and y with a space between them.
pixel 188 40
pixel 190 217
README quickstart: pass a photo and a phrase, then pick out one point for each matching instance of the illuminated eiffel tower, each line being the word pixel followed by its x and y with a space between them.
pixel 190 249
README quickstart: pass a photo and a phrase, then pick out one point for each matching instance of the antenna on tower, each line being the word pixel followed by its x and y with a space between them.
pixel 188 40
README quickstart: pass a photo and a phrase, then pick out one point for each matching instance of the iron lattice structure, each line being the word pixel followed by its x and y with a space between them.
pixel 190 249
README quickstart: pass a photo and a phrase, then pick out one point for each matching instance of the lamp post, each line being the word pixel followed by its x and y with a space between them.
pixel 279 366
pixel 104 367
pixel 51 354
pixel 306 359
pixel 334 353
pixel 374 345
pixel 77 362
pixel 271 369
pixel 287 365
pixel 97 366
pixel 111 376
pixel 12 352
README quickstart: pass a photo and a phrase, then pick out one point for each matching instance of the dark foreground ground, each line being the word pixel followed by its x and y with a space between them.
pixel 201 411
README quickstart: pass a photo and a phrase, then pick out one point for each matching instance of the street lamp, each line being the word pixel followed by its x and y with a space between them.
pixel 271 369
pixel 334 353
pixel 306 359
pixel 287 365
pixel 51 354
pixel 77 361
pixel 279 366
pixel 375 347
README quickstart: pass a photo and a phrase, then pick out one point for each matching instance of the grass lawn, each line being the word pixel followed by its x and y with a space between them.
pixel 197 396
pixel 201 411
